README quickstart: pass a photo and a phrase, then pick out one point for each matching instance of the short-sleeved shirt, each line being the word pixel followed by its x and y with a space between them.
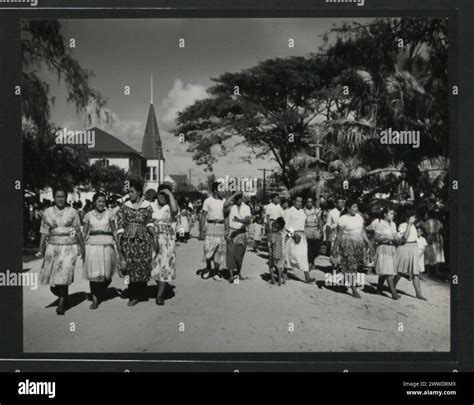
pixel 351 225
pixel 313 223
pixel 274 211
pixel 295 219
pixel 238 212
pixel 384 229
pixel 333 218
pixel 422 244
pixel 412 236
pixel 214 208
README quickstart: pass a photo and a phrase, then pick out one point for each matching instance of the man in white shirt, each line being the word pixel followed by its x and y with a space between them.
pixel 273 211
pixel 213 232
pixel 239 218
pixel 297 247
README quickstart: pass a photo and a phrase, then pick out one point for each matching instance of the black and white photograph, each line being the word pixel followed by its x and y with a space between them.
pixel 236 185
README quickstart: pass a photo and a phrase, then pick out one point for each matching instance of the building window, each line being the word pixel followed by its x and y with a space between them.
pixel 151 174
pixel 105 162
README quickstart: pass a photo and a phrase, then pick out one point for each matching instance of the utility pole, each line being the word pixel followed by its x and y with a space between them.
pixel 264 181
pixel 190 176
pixel 318 145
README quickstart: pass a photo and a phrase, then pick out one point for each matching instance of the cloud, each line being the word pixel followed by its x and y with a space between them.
pixel 179 97
pixel 130 132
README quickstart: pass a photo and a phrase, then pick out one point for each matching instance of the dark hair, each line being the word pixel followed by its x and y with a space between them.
pixel 97 195
pixel 280 221
pixel 409 213
pixel 297 196
pixel 215 185
pixel 59 188
pixel 137 185
pixel 165 186
pixel 385 210
pixel 432 213
pixel 151 193
pixel 274 195
pixel 351 201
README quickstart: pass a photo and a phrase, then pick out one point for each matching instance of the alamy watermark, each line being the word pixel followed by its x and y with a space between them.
pixel 69 137
pixel 25 279
pixel 33 3
pixel 391 137
pixel 335 279
pixel 235 184
pixel 359 3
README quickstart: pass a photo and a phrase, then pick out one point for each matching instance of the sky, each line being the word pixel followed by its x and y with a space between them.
pixel 127 52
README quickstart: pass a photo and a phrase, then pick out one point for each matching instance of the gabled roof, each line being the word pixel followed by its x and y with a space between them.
pixel 107 143
pixel 151 146
pixel 179 178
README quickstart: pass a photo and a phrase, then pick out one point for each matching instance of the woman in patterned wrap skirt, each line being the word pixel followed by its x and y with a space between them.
pixel 136 235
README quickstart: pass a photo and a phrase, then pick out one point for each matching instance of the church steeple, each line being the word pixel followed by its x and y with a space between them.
pixel 151 146
pixel 152 149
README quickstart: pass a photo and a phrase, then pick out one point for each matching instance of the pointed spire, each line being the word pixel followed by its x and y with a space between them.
pixel 151 146
pixel 151 89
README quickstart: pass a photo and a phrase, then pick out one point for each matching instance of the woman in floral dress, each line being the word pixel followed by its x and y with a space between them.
pixel 60 242
pixel 101 259
pixel 136 235
pixel 164 262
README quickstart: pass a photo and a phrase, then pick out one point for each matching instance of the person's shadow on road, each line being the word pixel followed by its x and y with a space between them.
pixel 73 300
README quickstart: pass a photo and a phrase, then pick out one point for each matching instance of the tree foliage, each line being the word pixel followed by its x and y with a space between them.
pixel 45 162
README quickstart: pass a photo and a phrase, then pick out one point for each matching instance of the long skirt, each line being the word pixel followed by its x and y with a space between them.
pixel 352 254
pixel 137 254
pixel 215 245
pixel 164 263
pixel 59 264
pixel 236 248
pixel 385 260
pixel 407 260
pixel 297 254
pixel 101 262
pixel 434 252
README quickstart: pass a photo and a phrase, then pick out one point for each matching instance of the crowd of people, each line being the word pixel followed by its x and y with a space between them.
pixel 137 239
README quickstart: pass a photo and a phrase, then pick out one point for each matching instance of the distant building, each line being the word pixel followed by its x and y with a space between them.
pixel 178 180
pixel 112 151
pixel 152 152
pixel 149 164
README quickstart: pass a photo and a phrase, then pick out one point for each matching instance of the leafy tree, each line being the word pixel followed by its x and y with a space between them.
pixel 269 107
pixel 109 179
pixel 381 86
pixel 45 162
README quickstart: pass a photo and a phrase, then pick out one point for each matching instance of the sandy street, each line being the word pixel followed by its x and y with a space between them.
pixel 254 316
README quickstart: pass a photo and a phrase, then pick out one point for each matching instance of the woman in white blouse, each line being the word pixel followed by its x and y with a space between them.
pixel 350 242
pixel 407 259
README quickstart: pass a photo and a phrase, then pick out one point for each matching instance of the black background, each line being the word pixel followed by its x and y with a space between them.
pixel 461 66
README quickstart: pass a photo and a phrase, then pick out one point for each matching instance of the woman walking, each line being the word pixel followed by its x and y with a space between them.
pixel 164 262
pixel 407 258
pixel 434 253
pixel 312 230
pixel 101 259
pixel 349 244
pixel 136 237
pixel 386 239
pixel 60 242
